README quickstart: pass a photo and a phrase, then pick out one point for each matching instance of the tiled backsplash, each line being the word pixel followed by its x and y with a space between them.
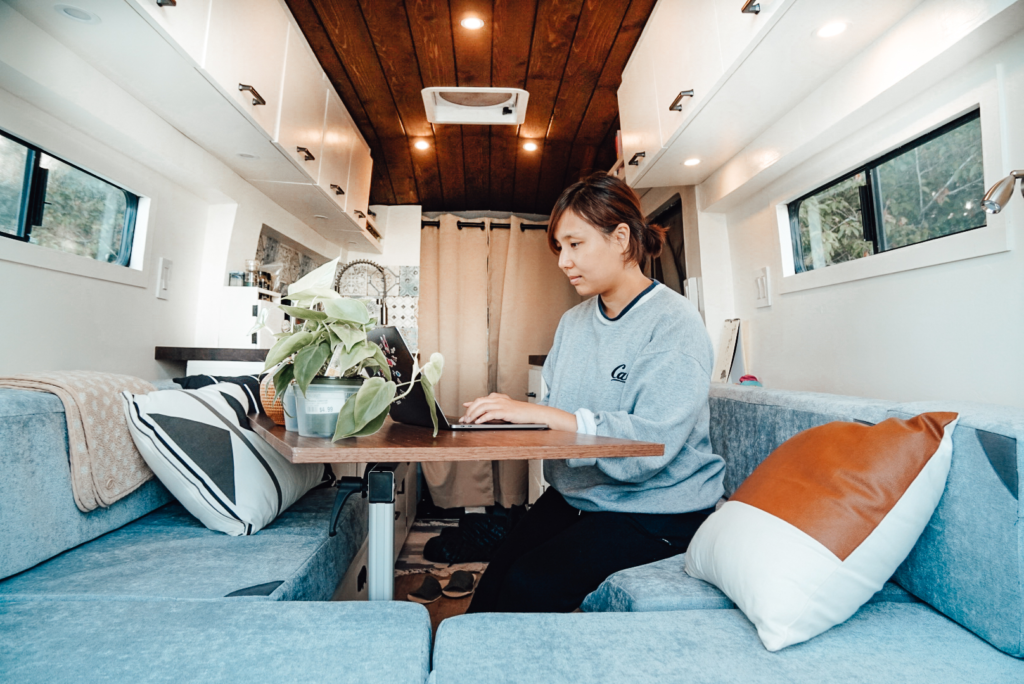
pixel 296 264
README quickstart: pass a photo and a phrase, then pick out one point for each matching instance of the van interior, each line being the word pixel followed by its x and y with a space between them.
pixel 234 205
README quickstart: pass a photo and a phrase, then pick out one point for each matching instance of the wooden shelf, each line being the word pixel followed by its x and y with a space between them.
pixel 397 443
pixel 209 354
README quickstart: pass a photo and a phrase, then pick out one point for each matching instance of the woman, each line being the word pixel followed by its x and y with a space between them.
pixel 633 362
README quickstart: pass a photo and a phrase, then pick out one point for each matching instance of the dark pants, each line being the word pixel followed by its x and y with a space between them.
pixel 557 554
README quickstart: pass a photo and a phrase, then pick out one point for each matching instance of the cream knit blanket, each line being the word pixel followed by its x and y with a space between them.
pixel 105 465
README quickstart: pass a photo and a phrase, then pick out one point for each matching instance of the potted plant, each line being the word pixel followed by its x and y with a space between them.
pixel 329 351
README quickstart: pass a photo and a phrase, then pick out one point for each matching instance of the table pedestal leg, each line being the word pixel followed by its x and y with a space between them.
pixel 381 561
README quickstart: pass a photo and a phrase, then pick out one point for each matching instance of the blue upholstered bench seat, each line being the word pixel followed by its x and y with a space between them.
pixel 664 585
pixel 884 642
pixel 170 554
pixel 213 641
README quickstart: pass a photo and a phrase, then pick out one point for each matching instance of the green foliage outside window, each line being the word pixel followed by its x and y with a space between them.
pixel 48 202
pixel 931 190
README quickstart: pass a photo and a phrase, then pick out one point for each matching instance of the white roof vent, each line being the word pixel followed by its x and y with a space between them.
pixel 482 106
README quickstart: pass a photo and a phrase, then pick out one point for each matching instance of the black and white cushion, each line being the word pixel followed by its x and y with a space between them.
pixel 201 447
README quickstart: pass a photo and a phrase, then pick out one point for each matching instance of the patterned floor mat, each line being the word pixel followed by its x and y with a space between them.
pixel 411 561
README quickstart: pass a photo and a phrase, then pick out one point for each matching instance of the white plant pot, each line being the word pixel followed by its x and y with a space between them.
pixel 317 411
pixel 291 419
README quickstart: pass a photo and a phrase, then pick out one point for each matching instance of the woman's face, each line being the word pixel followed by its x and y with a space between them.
pixel 592 260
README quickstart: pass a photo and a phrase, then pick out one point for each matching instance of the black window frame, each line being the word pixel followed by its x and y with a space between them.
pixel 33 195
pixel 871 220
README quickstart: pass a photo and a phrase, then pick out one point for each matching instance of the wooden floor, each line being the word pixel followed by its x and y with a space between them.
pixel 440 609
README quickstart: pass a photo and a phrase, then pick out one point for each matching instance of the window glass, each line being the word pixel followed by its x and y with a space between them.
pixel 13 158
pixel 926 189
pixel 831 225
pixel 933 190
pixel 82 214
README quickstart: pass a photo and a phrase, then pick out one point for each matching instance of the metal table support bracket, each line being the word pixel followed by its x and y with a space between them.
pixel 380 480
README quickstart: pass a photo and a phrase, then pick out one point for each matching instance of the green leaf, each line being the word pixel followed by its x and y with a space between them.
pixel 309 294
pixel 374 425
pixel 348 336
pixel 287 346
pixel 433 368
pixel 428 391
pixel 375 395
pixel 381 362
pixel 350 358
pixel 304 314
pixel 348 310
pixel 282 380
pixel 308 363
pixel 346 426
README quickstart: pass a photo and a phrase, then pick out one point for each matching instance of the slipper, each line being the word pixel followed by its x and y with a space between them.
pixel 428 592
pixel 461 584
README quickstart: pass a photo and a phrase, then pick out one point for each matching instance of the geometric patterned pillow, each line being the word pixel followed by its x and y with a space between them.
pixel 201 447
pixel 823 522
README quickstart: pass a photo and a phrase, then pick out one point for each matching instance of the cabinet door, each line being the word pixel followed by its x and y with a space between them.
pixel 359 176
pixel 638 112
pixel 300 131
pixel 339 137
pixel 185 23
pixel 246 46
pixel 736 30
pixel 687 56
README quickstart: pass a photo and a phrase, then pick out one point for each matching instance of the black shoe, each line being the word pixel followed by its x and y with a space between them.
pixel 460 585
pixel 428 592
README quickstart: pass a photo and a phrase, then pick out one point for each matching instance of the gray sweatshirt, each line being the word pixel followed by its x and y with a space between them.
pixel 645 376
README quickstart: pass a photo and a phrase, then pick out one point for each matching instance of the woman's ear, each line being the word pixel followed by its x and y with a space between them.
pixel 621 237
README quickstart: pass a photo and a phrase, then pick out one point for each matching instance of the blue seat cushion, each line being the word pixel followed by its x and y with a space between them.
pixel 213 641
pixel 37 507
pixel 664 585
pixel 748 423
pixel 883 642
pixel 170 554
pixel 969 561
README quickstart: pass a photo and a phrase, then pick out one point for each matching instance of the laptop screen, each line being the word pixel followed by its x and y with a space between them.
pixel 413 409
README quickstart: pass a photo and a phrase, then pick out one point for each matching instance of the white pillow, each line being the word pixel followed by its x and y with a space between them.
pixel 201 447
pixel 823 522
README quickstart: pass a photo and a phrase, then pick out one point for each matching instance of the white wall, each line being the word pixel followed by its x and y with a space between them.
pixel 203 217
pixel 945 331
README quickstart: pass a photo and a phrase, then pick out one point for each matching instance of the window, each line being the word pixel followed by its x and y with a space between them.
pixel 48 202
pixel 926 189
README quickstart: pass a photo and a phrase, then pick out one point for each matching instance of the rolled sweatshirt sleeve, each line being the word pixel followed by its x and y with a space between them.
pixel 668 392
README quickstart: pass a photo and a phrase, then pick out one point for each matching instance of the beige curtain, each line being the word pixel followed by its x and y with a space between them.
pixel 488 300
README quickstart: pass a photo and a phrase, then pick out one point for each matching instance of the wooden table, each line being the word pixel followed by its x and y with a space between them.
pixel 398 443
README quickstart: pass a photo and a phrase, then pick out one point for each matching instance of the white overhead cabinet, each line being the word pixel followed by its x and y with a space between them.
pixel 638 114
pixel 245 55
pixel 687 59
pixel 359 176
pixel 185 23
pixel 300 129
pixel 339 137
pixel 256 98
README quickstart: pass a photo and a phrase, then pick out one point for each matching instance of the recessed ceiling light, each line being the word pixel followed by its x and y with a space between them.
pixel 691 162
pixel 472 23
pixel 833 28
pixel 422 145
pixel 77 13
pixel 530 147
pixel 246 155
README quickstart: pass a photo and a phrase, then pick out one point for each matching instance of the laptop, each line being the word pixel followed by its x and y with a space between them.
pixel 413 409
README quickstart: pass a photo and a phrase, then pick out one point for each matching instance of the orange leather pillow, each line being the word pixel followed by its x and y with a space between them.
pixel 823 522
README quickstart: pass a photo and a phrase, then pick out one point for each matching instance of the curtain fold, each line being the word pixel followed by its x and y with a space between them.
pixel 488 300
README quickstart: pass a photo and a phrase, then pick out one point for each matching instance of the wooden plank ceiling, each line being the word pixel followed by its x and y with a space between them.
pixel 568 54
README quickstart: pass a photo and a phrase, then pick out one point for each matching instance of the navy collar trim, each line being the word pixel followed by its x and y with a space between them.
pixel 600 302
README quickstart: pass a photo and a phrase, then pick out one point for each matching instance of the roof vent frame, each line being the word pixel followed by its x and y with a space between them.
pixel 492 109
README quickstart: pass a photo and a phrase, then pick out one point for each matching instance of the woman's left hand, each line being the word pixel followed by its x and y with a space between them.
pixel 497 407
pixel 500 407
